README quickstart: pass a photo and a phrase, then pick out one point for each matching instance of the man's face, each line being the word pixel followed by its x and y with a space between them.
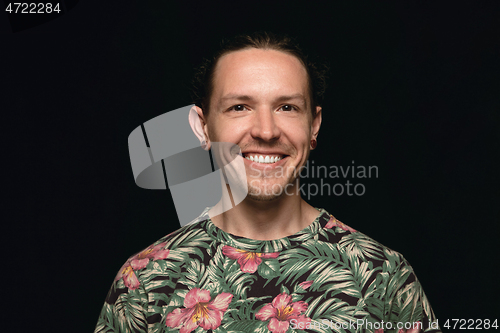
pixel 260 101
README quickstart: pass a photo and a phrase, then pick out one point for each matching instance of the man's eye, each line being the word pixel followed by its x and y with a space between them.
pixel 287 108
pixel 239 107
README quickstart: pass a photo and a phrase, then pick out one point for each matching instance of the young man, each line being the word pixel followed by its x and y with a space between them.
pixel 271 263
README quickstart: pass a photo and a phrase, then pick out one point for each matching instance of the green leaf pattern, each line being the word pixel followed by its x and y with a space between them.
pixel 313 281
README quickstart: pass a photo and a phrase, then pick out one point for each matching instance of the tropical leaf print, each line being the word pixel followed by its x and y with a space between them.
pixel 246 326
pixel 244 309
pixel 201 279
pixel 129 309
pixel 226 273
pixel 331 310
pixel 361 246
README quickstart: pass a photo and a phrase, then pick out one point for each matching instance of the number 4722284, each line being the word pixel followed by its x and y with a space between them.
pixel 32 8
pixel 470 324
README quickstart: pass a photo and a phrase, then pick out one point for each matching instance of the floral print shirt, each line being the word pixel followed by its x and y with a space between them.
pixel 326 278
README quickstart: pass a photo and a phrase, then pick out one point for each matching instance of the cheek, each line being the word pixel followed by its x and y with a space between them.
pixel 298 136
pixel 212 133
pixel 224 131
pixel 214 129
pixel 298 128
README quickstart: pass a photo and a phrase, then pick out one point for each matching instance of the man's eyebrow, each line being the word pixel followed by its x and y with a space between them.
pixel 236 97
pixel 249 98
pixel 292 97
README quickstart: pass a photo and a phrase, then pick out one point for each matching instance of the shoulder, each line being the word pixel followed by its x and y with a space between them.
pixel 158 258
pixel 372 261
pixel 363 248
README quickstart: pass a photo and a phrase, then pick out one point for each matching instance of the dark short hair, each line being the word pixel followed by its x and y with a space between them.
pixel 202 84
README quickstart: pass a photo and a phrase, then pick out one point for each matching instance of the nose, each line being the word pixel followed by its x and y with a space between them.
pixel 265 126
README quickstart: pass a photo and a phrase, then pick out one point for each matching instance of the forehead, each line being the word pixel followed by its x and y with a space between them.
pixel 260 74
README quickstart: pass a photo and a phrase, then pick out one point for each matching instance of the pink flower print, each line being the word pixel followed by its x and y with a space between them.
pixel 128 275
pixel 379 330
pixel 199 311
pixel 306 284
pixel 333 222
pixel 152 252
pixel 281 311
pixel 249 261
pixel 139 261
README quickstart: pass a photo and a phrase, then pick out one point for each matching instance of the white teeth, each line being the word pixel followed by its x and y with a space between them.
pixel 261 159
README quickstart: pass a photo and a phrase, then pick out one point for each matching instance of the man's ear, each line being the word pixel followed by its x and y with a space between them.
pixel 197 123
pixel 316 123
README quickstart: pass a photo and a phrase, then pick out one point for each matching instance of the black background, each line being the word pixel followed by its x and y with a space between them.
pixel 414 90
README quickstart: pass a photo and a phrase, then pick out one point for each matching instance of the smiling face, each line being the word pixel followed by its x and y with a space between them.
pixel 261 102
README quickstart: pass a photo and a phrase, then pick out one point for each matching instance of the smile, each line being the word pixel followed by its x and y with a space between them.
pixel 266 159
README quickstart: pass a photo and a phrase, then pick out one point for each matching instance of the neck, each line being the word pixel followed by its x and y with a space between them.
pixel 263 220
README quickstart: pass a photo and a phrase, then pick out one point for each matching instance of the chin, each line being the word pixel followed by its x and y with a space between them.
pixel 267 191
pixel 264 197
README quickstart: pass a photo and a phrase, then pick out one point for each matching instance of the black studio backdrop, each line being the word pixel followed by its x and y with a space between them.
pixel 413 91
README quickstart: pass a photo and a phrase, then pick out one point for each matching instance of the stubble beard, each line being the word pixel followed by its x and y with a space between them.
pixel 260 189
